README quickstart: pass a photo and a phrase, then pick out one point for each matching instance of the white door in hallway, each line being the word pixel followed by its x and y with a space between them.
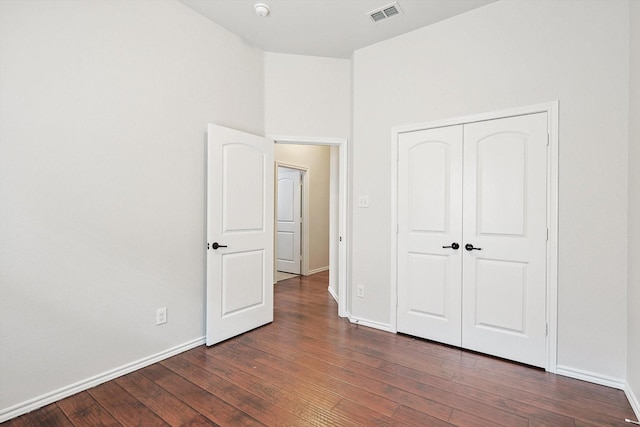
pixel 239 233
pixel 289 220
pixel 481 190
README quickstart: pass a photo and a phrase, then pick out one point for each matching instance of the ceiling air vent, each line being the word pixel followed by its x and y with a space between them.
pixel 385 12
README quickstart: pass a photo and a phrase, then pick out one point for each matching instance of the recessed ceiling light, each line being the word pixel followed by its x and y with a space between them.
pixel 261 9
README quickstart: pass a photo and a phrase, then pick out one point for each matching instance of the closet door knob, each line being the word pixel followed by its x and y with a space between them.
pixel 470 247
pixel 216 245
pixel 454 246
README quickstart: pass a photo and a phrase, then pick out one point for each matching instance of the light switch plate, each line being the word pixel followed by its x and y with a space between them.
pixel 363 201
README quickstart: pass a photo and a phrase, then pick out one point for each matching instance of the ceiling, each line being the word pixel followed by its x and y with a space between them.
pixel 332 28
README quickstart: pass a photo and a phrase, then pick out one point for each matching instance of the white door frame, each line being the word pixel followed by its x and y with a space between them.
pixel 342 243
pixel 551 108
pixel 304 246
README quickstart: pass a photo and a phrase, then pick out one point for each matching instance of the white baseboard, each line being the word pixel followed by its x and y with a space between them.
pixel 633 400
pixel 370 324
pixel 591 377
pixel 318 270
pixel 333 294
pixel 53 396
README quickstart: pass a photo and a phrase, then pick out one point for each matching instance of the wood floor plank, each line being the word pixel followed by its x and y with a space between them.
pixel 50 416
pixel 307 402
pixel 208 404
pixel 443 394
pixel 549 400
pixel 284 338
pixel 361 414
pixel 83 410
pixel 319 381
pixel 310 367
pixel 167 406
pixel 263 408
pixel 405 416
pixel 362 396
pixel 383 388
pixel 498 399
pixel 125 408
pixel 464 419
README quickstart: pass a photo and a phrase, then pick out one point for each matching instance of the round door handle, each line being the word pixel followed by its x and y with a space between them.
pixel 216 245
pixel 470 247
pixel 454 246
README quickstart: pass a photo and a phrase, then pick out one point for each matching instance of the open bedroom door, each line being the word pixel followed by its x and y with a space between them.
pixel 239 233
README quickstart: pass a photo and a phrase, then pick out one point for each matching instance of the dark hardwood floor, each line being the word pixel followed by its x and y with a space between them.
pixel 310 367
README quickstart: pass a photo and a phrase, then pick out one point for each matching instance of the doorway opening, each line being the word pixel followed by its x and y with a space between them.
pixel 337 262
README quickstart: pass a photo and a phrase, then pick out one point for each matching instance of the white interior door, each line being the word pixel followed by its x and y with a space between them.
pixel 483 186
pixel 430 233
pixel 239 233
pixel 505 219
pixel 289 220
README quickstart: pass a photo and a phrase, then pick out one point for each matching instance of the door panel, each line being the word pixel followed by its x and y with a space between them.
pixel 242 281
pixel 501 196
pixel 429 186
pixel 428 298
pixel 429 217
pixel 501 290
pixel 504 286
pixel 242 188
pixel 289 225
pixel 239 217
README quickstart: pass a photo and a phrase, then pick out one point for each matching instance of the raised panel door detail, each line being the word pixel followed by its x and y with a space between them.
pixel 243 188
pixel 501 295
pixel 285 246
pixel 285 199
pixel 501 181
pixel 429 187
pixel 242 281
pixel 428 285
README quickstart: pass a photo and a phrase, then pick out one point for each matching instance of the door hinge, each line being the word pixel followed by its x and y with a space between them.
pixel 548 139
pixel 397 228
pixel 546 330
pixel 547 234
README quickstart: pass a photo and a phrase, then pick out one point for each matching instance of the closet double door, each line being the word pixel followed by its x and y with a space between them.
pixel 472 236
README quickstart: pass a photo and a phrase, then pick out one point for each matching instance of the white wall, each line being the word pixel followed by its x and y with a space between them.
pixel 633 296
pixel 310 96
pixel 504 55
pixel 103 117
pixel 316 159
pixel 306 95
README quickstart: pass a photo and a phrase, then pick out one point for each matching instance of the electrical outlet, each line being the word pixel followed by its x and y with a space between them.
pixel 361 291
pixel 161 316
